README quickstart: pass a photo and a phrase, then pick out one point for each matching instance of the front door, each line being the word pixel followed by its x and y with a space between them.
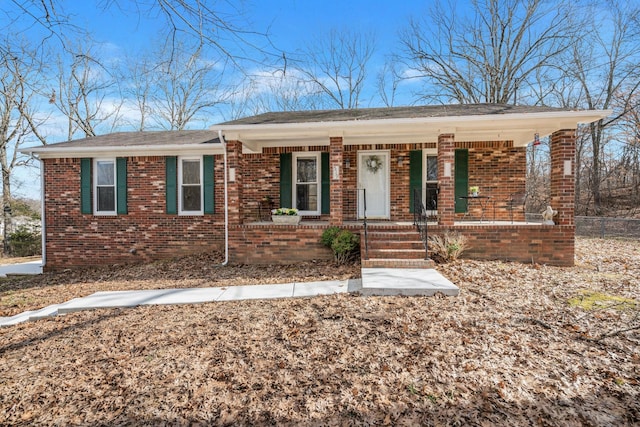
pixel 373 178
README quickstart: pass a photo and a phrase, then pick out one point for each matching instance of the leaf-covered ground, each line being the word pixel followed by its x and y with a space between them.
pixel 509 350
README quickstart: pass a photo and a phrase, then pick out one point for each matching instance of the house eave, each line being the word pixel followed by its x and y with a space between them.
pixel 518 127
pixel 52 152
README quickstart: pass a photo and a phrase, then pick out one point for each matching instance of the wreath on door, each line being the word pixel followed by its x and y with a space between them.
pixel 373 163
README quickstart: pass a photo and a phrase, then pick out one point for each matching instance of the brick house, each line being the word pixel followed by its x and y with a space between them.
pixel 127 197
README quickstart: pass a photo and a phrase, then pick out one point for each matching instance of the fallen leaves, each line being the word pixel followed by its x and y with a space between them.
pixel 507 351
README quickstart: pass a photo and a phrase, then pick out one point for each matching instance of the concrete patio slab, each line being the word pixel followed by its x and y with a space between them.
pixel 405 281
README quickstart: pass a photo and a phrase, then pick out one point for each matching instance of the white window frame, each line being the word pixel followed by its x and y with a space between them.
pixel 181 210
pixel 428 152
pixel 95 187
pixel 294 186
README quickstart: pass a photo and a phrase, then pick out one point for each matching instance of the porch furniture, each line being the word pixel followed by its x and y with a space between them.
pixel 483 202
pixel 516 201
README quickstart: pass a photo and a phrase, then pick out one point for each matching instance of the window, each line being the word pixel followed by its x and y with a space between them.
pixel 307 183
pixel 190 186
pixel 105 187
pixel 431 184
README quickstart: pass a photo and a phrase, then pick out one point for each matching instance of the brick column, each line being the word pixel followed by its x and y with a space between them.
pixel 335 161
pixel 446 174
pixel 563 167
pixel 234 162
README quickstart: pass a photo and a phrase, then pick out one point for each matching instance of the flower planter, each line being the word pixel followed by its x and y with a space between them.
pixel 286 219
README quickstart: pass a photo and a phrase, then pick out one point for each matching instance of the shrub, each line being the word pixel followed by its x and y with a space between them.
pixel 344 244
pixel 329 235
pixel 447 247
pixel 24 242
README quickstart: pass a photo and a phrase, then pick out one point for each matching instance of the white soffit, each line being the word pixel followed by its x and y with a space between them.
pixel 519 128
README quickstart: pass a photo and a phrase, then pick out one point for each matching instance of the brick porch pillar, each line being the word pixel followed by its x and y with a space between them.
pixel 335 164
pixel 446 196
pixel 234 176
pixel 563 192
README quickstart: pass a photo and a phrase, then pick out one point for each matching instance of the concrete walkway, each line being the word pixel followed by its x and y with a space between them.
pixel 32 267
pixel 375 281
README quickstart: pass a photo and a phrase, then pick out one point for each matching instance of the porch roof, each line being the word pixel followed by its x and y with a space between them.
pixel 469 122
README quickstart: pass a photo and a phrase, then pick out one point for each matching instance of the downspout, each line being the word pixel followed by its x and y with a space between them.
pixel 226 200
pixel 43 229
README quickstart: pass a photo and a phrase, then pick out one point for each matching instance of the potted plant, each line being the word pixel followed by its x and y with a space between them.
pixel 474 190
pixel 287 216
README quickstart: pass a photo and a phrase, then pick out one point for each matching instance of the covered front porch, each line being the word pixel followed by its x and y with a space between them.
pixel 371 171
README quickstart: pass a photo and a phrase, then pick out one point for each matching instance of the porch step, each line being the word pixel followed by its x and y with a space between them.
pixel 395 248
pixel 397 263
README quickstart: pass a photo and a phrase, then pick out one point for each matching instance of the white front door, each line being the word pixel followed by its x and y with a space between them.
pixel 373 177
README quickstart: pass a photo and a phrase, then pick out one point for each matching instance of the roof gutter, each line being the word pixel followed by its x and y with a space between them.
pixel 51 151
pixel 226 199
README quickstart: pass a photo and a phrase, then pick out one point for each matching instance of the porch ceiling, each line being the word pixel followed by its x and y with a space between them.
pixel 519 128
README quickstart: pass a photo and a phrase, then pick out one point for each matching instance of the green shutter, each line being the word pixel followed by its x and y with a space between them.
pixel 325 183
pixel 208 167
pixel 86 205
pixel 121 190
pixel 415 175
pixel 286 172
pixel 171 184
pixel 461 167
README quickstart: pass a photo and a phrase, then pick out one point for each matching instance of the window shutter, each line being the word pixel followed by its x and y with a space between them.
pixel 171 168
pixel 325 184
pixel 286 172
pixel 86 204
pixel 461 175
pixel 121 191
pixel 209 194
pixel 415 175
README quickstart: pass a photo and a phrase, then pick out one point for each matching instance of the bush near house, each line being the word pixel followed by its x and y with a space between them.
pixel 24 242
pixel 344 244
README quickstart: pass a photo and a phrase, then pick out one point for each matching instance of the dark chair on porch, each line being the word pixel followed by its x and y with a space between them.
pixel 516 201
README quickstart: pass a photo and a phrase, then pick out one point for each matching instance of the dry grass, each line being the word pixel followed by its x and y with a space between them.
pixel 510 350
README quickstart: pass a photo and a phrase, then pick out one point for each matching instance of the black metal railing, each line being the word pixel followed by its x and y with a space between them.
pixel 364 221
pixel 420 219
pixel 355 210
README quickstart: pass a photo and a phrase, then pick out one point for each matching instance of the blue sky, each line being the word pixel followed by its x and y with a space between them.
pixel 123 29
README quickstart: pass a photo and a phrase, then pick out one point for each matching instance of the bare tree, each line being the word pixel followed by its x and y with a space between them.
pixel 184 87
pixel 388 81
pixel 489 53
pixel 336 65
pixel 605 67
pixel 87 93
pixel 20 70
pixel 217 25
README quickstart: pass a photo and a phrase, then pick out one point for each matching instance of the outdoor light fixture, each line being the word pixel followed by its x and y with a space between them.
pixel 348 162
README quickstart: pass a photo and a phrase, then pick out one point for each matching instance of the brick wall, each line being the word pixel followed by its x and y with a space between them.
pixel 276 244
pixel 75 239
pixel 552 245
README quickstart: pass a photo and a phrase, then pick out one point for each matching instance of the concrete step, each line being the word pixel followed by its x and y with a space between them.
pixel 396 253
pixel 397 263
pixel 396 244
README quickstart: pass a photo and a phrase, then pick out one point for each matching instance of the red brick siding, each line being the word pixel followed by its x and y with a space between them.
pixel 276 244
pixel 552 245
pixel 74 239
